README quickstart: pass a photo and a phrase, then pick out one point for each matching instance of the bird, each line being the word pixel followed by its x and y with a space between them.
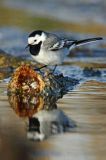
pixel 50 49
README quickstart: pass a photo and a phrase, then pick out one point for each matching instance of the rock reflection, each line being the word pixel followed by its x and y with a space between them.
pixel 42 115
pixel 25 106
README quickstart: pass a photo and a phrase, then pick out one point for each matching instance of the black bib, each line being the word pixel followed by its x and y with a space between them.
pixel 34 49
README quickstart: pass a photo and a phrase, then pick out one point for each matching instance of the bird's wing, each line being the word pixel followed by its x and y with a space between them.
pixel 57 44
pixel 54 43
pixel 63 43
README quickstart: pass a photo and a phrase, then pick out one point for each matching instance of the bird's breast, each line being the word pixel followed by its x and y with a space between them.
pixel 35 49
pixel 49 57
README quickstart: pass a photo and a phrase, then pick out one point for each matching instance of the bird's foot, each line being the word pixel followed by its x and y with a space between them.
pixel 52 72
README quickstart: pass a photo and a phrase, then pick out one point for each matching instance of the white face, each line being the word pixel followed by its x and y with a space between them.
pixel 36 39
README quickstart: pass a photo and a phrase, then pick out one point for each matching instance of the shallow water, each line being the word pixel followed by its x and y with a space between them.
pixel 85 106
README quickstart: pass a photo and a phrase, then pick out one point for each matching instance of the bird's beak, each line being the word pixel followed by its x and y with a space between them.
pixel 27 46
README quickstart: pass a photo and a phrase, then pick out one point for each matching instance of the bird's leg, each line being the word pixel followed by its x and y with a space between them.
pixel 43 67
pixel 54 68
pixel 38 69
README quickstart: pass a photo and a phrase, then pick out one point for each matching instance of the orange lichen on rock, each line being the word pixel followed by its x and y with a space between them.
pixel 23 90
pixel 30 91
pixel 26 81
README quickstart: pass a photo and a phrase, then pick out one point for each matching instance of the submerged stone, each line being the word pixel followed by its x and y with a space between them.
pixel 89 72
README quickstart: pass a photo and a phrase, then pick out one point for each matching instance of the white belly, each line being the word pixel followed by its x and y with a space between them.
pixel 51 57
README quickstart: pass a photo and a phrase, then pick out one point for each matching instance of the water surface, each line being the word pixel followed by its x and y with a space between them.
pixel 85 106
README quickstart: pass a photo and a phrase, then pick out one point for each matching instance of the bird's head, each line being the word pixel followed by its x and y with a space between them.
pixel 36 37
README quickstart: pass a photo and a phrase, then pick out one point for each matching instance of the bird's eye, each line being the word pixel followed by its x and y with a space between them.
pixel 35 40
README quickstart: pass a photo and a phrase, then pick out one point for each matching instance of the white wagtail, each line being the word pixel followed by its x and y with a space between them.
pixel 49 49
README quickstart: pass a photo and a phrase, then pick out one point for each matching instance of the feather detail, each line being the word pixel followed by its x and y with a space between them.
pixel 86 41
pixel 83 42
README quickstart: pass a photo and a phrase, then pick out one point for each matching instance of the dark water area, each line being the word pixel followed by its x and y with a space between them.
pixel 75 129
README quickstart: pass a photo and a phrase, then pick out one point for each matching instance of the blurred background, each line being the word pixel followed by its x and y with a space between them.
pixel 83 16
pixel 75 18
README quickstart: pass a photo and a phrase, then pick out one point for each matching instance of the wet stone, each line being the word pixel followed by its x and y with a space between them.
pixel 28 82
pixel 89 72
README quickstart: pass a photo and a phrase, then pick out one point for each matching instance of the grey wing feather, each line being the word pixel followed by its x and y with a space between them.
pixel 56 45
pixel 52 43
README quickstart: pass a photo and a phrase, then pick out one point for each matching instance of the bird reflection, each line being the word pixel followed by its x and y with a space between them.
pixel 48 122
pixel 42 115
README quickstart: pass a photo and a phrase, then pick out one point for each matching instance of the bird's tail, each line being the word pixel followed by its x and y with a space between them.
pixel 84 41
